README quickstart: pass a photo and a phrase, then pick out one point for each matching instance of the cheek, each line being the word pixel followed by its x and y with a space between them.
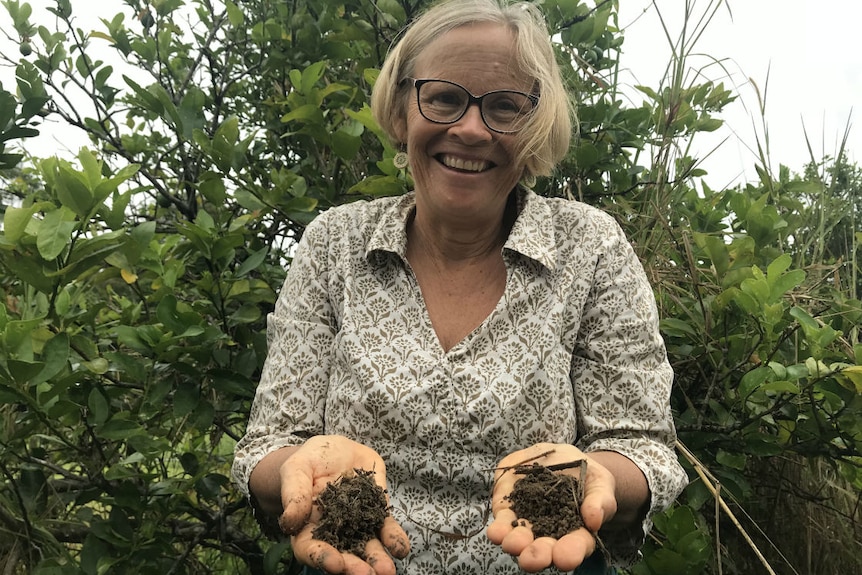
pixel 413 122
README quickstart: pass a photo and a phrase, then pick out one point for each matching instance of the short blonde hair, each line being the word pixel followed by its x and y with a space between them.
pixel 545 139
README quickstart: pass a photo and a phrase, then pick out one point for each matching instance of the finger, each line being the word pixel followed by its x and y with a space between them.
pixel 296 498
pixel 394 538
pixel 353 565
pixel 501 526
pixel 316 553
pixel 593 511
pixel 518 539
pixel 377 557
pixel 571 549
pixel 537 555
pixel 599 503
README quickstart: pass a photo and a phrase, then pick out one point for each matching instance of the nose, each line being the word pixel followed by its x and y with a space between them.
pixel 471 126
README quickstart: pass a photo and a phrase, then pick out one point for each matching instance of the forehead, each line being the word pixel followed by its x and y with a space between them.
pixel 480 56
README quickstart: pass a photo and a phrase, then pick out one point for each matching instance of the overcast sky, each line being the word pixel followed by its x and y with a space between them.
pixel 806 55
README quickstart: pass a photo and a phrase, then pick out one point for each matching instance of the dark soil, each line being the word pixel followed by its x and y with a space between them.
pixel 550 502
pixel 353 510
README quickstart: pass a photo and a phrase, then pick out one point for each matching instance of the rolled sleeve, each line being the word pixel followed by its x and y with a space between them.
pixel 623 381
pixel 289 402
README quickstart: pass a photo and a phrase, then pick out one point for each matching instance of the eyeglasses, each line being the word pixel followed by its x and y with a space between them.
pixel 444 102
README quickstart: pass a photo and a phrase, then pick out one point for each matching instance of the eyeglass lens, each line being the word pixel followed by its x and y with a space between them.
pixel 446 102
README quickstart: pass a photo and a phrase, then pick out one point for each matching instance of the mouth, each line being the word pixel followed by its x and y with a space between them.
pixel 462 165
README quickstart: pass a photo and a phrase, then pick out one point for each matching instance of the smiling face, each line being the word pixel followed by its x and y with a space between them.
pixel 464 171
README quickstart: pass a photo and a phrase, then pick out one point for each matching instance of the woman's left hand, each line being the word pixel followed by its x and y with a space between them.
pixel 567 553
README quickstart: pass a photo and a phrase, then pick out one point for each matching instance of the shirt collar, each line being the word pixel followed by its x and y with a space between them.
pixel 531 236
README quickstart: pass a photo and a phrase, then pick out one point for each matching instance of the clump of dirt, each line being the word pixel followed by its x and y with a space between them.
pixel 353 510
pixel 550 502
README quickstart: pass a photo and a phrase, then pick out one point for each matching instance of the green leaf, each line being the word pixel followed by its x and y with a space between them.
pixel 252 262
pixel 150 102
pixel 9 394
pixel 213 189
pixel 89 253
pixel 586 155
pixel 19 336
pixel 311 75
pixel 15 221
pixel 732 460
pixel 186 398
pixel 224 141
pixel 854 375
pixel 29 269
pixel 305 113
pixel 717 251
pixel 295 77
pixel 677 327
pixel 73 192
pixel 785 283
pixel 231 383
pixel 345 145
pixel 234 14
pixel 299 204
pixel 762 445
pixel 55 232
pixel 365 117
pixel 378 186
pixel 98 406
pixel 98 366
pixel 117 429
pixel 55 355
pixel 180 323
pixel 752 380
pixel 804 319
pixel 24 371
pixel 781 386
pixel 272 557
pixel 248 313
pixel 210 486
pixel 92 168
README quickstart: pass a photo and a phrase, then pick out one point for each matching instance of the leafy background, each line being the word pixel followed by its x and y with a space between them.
pixel 136 278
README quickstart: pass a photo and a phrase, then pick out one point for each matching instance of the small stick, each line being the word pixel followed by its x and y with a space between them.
pixel 523 463
pixel 582 463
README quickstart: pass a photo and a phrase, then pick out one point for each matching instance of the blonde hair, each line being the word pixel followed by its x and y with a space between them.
pixel 545 139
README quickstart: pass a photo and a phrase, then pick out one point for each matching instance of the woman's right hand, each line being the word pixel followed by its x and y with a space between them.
pixel 322 460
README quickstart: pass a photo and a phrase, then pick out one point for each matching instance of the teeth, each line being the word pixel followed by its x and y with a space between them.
pixel 465 165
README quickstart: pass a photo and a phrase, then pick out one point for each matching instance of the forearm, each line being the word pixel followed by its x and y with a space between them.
pixel 265 480
pixel 631 490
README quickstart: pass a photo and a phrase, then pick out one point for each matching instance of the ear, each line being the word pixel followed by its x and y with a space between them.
pixel 399 127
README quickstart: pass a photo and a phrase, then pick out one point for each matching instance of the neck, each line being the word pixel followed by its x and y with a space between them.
pixel 451 242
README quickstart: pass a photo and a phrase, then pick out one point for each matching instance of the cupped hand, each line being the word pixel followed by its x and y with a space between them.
pixel 322 460
pixel 568 552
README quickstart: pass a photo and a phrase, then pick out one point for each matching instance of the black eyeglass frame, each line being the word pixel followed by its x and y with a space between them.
pixel 471 99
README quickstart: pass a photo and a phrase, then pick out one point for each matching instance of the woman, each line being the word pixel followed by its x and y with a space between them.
pixel 465 327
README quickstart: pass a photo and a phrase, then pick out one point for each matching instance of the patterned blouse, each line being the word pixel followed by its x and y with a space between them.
pixel 571 354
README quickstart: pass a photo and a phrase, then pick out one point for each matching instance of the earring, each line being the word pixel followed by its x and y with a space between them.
pixel 529 180
pixel 400 160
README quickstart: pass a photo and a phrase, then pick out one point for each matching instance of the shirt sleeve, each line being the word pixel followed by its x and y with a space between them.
pixel 289 402
pixel 622 381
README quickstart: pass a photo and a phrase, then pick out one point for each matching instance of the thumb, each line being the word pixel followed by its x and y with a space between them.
pixel 296 496
pixel 599 504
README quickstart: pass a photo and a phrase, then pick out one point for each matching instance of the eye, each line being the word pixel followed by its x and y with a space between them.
pixel 443 97
pixel 508 104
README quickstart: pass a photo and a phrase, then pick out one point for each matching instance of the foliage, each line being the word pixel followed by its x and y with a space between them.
pixel 136 277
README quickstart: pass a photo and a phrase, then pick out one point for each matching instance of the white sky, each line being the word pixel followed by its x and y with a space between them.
pixel 810 52
pixel 806 55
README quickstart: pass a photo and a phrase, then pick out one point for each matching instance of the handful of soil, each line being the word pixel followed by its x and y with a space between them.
pixel 550 502
pixel 352 512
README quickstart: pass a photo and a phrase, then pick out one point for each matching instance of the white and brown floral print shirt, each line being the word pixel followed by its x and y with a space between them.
pixel 570 354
